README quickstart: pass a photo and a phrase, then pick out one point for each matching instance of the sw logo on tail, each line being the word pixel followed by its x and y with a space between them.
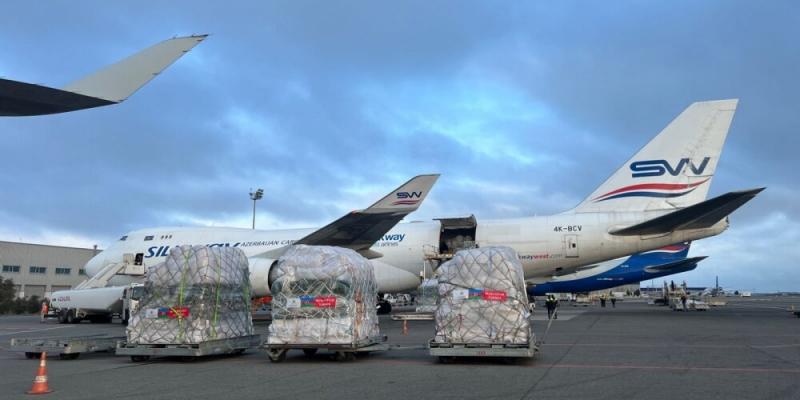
pixel 643 169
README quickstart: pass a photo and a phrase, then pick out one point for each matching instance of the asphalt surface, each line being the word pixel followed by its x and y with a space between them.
pixel 749 349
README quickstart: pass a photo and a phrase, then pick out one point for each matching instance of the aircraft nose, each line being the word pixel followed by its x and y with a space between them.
pixel 94 265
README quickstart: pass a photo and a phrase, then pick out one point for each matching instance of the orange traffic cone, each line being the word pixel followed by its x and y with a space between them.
pixel 40 381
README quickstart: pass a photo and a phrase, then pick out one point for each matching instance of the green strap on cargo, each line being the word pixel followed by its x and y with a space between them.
pixel 181 288
pixel 216 299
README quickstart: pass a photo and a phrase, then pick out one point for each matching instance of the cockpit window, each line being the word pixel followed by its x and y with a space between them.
pixel 123 238
pixel 146 238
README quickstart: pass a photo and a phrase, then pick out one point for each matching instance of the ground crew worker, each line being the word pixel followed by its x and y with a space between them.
pixel 602 300
pixel 44 310
pixel 550 303
pixel 684 297
pixel 613 301
pixel 555 307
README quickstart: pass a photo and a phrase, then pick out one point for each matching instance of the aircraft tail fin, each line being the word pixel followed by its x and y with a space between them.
pixel 118 81
pixel 674 170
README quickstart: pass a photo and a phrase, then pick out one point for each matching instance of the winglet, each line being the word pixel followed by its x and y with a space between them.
pixel 407 197
pixel 360 230
pixel 118 81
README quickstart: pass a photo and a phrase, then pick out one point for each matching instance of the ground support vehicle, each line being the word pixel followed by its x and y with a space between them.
pixel 67 348
pixel 96 304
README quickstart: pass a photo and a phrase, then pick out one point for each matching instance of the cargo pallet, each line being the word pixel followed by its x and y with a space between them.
pixel 143 352
pixel 67 348
pixel 343 352
pixel 448 352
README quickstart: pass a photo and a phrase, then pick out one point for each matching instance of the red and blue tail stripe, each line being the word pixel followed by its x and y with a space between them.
pixel 651 190
pixel 405 202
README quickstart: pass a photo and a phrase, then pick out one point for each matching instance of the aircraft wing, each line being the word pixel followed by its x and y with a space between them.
pixel 110 85
pixel 701 215
pixel 359 230
pixel 675 264
pixel 561 271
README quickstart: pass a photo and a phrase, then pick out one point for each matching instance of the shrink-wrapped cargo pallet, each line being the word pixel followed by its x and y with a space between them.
pixel 198 294
pixel 323 295
pixel 482 298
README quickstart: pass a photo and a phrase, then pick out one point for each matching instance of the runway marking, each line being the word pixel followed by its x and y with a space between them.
pixel 36 330
pixel 712 346
pixel 673 368
pixel 536 365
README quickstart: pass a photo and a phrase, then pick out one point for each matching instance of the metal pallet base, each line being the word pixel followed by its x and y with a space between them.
pixel 142 352
pixel 67 348
pixel 344 351
pixel 482 349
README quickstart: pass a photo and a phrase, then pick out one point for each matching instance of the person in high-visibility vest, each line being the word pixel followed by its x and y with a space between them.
pixel 45 309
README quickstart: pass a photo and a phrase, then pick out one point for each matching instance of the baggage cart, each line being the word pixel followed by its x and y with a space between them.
pixel 143 352
pixel 67 348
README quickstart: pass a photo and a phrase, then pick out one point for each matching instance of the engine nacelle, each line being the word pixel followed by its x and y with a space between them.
pixel 260 279
pixel 392 279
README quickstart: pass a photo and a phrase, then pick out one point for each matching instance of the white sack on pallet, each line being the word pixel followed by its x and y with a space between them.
pixel 323 294
pixel 198 294
pixel 482 298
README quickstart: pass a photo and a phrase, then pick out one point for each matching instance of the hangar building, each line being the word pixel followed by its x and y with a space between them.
pixel 38 270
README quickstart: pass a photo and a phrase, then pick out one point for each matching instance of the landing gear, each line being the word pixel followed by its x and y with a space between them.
pixel 384 307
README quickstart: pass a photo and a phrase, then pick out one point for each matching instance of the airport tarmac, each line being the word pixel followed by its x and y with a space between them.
pixel 749 349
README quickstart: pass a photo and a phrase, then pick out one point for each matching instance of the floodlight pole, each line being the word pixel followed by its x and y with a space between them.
pixel 255 196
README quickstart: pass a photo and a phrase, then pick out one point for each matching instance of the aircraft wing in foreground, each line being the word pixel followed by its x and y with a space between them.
pixel 111 85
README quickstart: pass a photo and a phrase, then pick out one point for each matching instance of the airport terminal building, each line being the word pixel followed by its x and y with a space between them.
pixel 38 270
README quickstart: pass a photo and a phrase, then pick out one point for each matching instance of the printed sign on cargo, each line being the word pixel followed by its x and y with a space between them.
pixel 494 295
pixel 173 312
pixel 318 301
pixel 480 294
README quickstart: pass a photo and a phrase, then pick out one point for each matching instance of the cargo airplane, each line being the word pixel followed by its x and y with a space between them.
pixel 656 199
pixel 639 267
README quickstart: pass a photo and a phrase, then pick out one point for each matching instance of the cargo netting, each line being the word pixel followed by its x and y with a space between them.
pixel 198 294
pixel 323 294
pixel 427 295
pixel 482 298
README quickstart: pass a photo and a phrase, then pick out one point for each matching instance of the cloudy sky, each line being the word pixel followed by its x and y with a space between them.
pixel 524 109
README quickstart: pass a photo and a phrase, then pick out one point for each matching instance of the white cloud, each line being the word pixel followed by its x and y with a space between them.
pixel 762 256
